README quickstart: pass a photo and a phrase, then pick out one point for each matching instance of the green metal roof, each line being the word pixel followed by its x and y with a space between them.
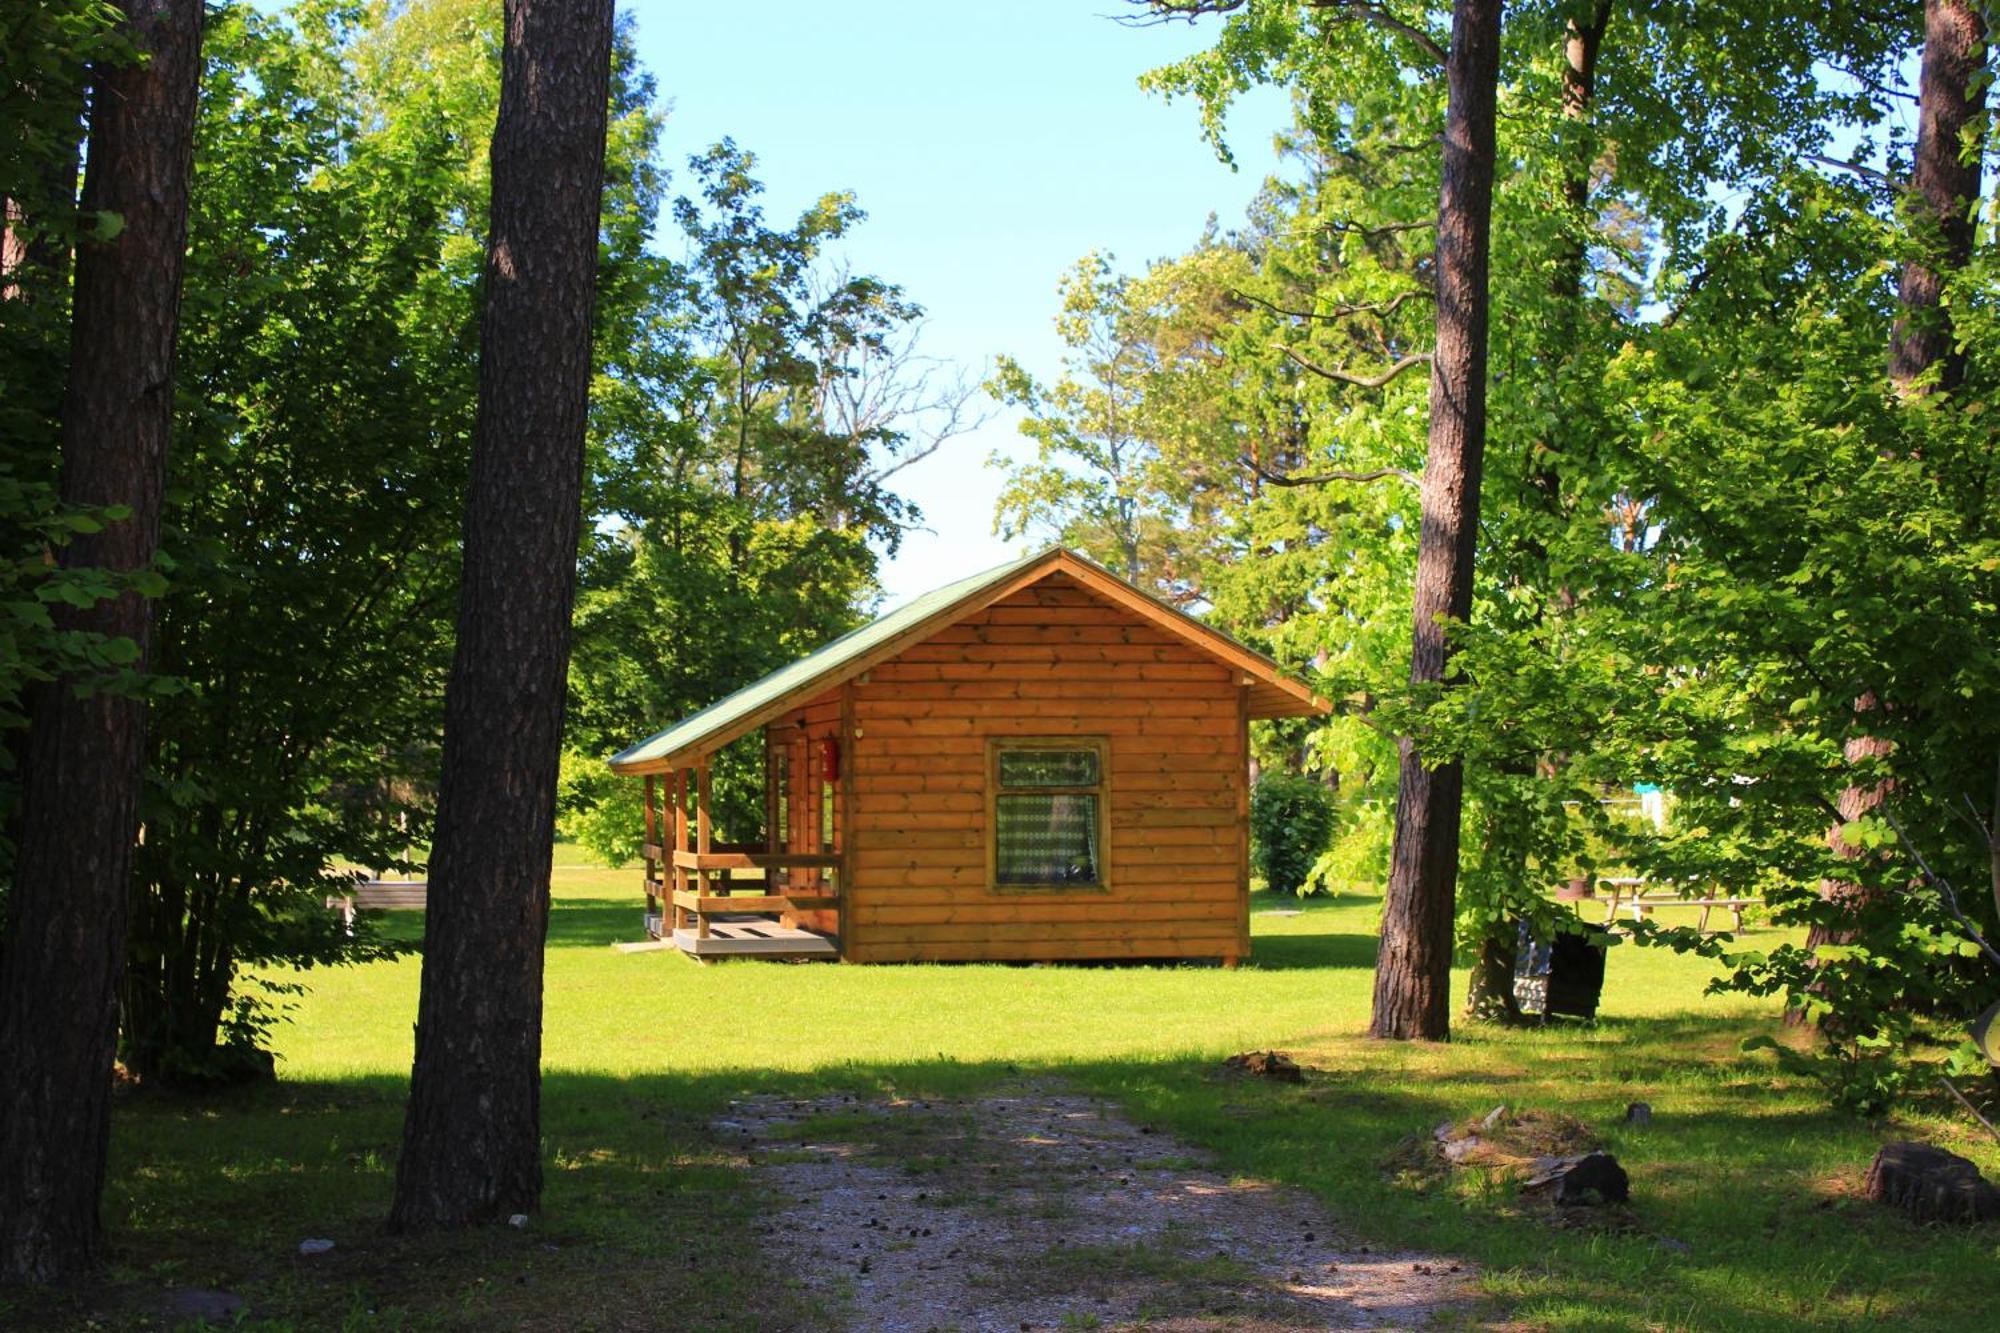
pixel 719 718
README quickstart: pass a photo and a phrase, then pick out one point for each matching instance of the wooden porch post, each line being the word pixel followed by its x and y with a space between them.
pixel 844 825
pixel 1242 729
pixel 774 837
pixel 679 877
pixel 703 792
pixel 652 842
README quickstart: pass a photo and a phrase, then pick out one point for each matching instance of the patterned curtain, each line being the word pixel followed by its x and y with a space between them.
pixel 1046 838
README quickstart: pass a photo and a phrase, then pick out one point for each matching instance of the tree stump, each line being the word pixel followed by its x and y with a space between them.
pixel 1931 1185
pixel 1275 1065
pixel 1592 1178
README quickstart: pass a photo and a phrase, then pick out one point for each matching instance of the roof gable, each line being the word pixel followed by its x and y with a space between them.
pixel 1273 694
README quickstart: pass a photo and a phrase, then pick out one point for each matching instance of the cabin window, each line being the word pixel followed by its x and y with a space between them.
pixel 1047 813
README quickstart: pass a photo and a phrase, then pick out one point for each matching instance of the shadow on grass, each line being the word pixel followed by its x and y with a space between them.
pixel 590 923
pixel 1313 950
pixel 602 922
pixel 576 923
pixel 652 1220
pixel 573 923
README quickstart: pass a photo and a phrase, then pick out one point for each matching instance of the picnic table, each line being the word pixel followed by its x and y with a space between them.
pixel 1638 897
pixel 375 894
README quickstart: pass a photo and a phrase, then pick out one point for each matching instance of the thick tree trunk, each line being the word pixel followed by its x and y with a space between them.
pixel 58 982
pixel 1944 182
pixel 1413 970
pixel 1951 96
pixel 472 1138
pixel 1582 40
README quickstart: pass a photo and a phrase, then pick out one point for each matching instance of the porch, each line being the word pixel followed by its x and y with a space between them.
pixel 781 898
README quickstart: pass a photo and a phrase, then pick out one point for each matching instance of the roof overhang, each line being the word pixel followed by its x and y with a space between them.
pixel 1271 693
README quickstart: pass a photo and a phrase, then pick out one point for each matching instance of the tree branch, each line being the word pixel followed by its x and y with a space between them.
pixel 1158 12
pixel 1382 18
pixel 1377 474
pixel 1874 85
pixel 1349 377
pixel 1339 312
pixel 1942 885
pixel 1860 169
pixel 1342 227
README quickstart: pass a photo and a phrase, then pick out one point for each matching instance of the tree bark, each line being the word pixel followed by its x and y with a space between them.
pixel 472 1136
pixel 1582 40
pixel 1413 970
pixel 58 982
pixel 1944 182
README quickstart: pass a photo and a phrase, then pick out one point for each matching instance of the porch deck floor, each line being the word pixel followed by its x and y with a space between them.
pixel 760 935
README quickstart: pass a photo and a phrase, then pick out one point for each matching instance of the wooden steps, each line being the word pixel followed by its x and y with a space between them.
pixel 758 936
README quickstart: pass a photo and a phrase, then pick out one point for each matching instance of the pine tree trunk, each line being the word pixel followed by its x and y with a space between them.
pixel 1944 183
pixel 1413 969
pixel 471 1140
pixel 1582 41
pixel 58 982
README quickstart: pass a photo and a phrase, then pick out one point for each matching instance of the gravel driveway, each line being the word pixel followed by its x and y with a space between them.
pixel 1041 1209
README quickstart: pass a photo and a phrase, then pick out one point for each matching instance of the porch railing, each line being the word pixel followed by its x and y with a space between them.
pixel 721 894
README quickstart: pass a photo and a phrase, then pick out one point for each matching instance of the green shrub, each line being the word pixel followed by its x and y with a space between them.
pixel 1358 854
pixel 600 811
pixel 1291 821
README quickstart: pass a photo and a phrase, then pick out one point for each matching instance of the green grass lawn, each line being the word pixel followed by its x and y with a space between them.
pixel 1746 1211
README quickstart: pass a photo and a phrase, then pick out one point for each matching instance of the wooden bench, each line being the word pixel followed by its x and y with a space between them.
pixel 378 894
pixel 1638 900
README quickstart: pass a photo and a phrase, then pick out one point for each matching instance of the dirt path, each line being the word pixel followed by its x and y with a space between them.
pixel 1046 1210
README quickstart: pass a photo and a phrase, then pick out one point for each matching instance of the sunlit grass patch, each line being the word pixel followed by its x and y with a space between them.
pixel 1745 1205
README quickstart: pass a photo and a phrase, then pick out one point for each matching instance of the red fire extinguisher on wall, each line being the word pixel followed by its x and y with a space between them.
pixel 829 759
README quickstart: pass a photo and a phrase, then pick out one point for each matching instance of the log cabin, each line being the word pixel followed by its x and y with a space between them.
pixel 1036 763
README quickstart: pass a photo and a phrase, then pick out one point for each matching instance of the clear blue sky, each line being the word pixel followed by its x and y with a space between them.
pixel 992 144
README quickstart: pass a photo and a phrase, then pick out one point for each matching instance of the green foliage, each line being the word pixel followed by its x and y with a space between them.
pixel 1359 853
pixel 601 813
pixel 1291 819
pixel 327 380
pixel 1709 526
pixel 1102 480
pixel 1829 572
pixel 741 481
pixel 748 408
pixel 325 390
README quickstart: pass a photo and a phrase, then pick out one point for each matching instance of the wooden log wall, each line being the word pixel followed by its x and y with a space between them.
pixel 1050 661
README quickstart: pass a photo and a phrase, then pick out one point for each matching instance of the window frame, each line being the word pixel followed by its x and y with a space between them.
pixel 1101 789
